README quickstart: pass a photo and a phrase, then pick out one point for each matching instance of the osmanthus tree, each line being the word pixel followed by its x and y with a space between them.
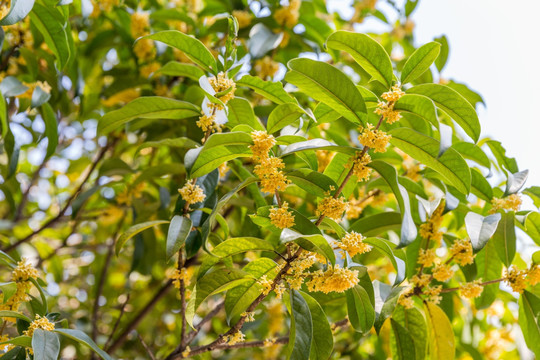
pixel 252 179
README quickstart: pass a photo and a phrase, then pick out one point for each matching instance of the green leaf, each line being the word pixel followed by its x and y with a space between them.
pixel 472 152
pixel 4 126
pixel 499 152
pixel 323 340
pixel 325 83
pixel 386 298
pixel 441 334
pixel 23 340
pixel 480 186
pixel 272 90
pixel 239 298
pixel 450 165
pixel 313 182
pixel 179 142
pixel 515 182
pixel 46 345
pixel 529 306
pixel 175 68
pixel 315 243
pixel 241 113
pixel 452 103
pixel 377 224
pixel 230 247
pixel 192 47
pixel 367 52
pixel 480 229
pixel 14 314
pixel 413 321
pixel 420 61
pixel 384 246
pixel 179 229
pixel 134 230
pixel 418 105
pixel 532 226
pixel 360 309
pixel 283 115
pixel 84 339
pixel 504 239
pixel 49 22
pixel 318 144
pixel 489 267
pixel 148 107
pixel 301 333
pixel 51 129
pixel 18 11
pixel 403 348
pixel 443 55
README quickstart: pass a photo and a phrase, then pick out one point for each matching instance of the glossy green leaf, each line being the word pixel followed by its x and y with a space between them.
pixel 149 107
pixel 84 339
pixel 241 113
pixel 529 307
pixel 441 334
pixel 515 182
pixel 386 298
pixel 301 333
pixel 180 142
pixel 18 11
pixel 283 115
pixel 489 267
pixel 317 144
pixel 384 246
pixel 22 340
pixel 48 20
pixel 504 238
pixel 175 68
pixel 201 161
pixel 324 82
pixel 506 163
pixel 179 229
pixel 420 61
pixel 532 226
pixel 313 182
pixel 46 345
pixel 472 152
pixel 415 324
pixel 418 105
pixel 367 52
pixel 377 224
pixel 192 47
pixel 480 229
pixel 451 166
pixel 315 243
pixel 480 186
pixel 271 90
pixel 403 348
pixel 134 230
pixel 14 315
pixel 452 103
pixel 440 62
pixel 3 117
pixel 323 340
pixel 360 309
pixel 51 129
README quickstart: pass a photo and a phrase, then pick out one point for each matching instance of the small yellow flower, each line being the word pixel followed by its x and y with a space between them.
pixel 517 279
pixel 360 168
pixel 149 69
pixel 266 67
pixel 39 323
pixel 433 294
pixel 512 202
pixel 206 122
pixel 421 280
pixel 235 338
pixel 180 275
pixel 405 299
pixel 375 139
pixel 427 257
pixel 462 252
pixel 272 178
pixel 144 49
pixel 24 271
pixel 192 193
pixel 281 217
pixel 250 316
pixel 430 229
pixel 223 169
pixel 262 143
pixel 186 352
pixel 533 275
pixel 243 17
pixel 394 94
pixel 443 272
pixel 332 207
pixel 222 83
pixel 266 284
pixel 288 15
pixel 386 109
pixel 471 289
pixel 335 279
pixel 353 243
pixel 140 22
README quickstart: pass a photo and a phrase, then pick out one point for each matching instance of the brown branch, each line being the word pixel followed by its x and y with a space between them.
pixel 117 322
pixel 152 356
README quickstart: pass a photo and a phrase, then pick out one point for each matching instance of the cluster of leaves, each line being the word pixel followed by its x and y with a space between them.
pixel 110 107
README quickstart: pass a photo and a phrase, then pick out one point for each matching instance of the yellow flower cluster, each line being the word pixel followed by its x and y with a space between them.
pixel 268 169
pixel 511 202
pixel 433 294
pixel 332 207
pixel 262 143
pixel 243 17
pixel 375 139
pixel 281 217
pixel 296 273
pixel 266 284
pixel 31 87
pixel 235 338
pixel 353 243
pixel 471 289
pixel 24 272
pixel 207 123
pixel 250 316
pixel 533 275
pixel 275 316
pixel 192 193
pixel 461 252
pixel 386 109
pixel 360 168
pixel 421 280
pixel 430 229
pixel 222 83
pixel 288 15
pixel 180 275
pixel 103 5
pixel 266 67
pixel 39 323
pixel 323 158
pixel 144 49
pixel 21 275
pixel 427 257
pixel 517 279
pixel 405 299
pixel 149 69
pixel 140 23
pixel 223 169
pixel 4 8
pixel 443 272
pixel 335 279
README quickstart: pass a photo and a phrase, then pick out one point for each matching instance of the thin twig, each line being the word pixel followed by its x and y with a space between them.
pixel 122 311
pixel 152 356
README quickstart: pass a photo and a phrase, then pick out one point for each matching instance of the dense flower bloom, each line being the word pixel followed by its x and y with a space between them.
pixel 266 284
pixel 272 179
pixel 24 271
pixel 39 323
pixel 433 294
pixel 421 280
pixel 405 299
pixel 471 289
pixel 192 193
pixel 427 257
pixel 335 279
pixel 281 217
pixel 180 275
pixel 386 109
pixel 332 207
pixel 533 275
pixel 222 83
pixel 266 67
pixel 511 202
pixel 462 252
pixel 353 243
pixel 443 272
pixel 288 15
pixel 139 24
pixel 375 139
pixel 144 49
pixel 394 94
pixel 262 143
pixel 360 168
pixel 430 229
pixel 517 279
pixel 235 338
